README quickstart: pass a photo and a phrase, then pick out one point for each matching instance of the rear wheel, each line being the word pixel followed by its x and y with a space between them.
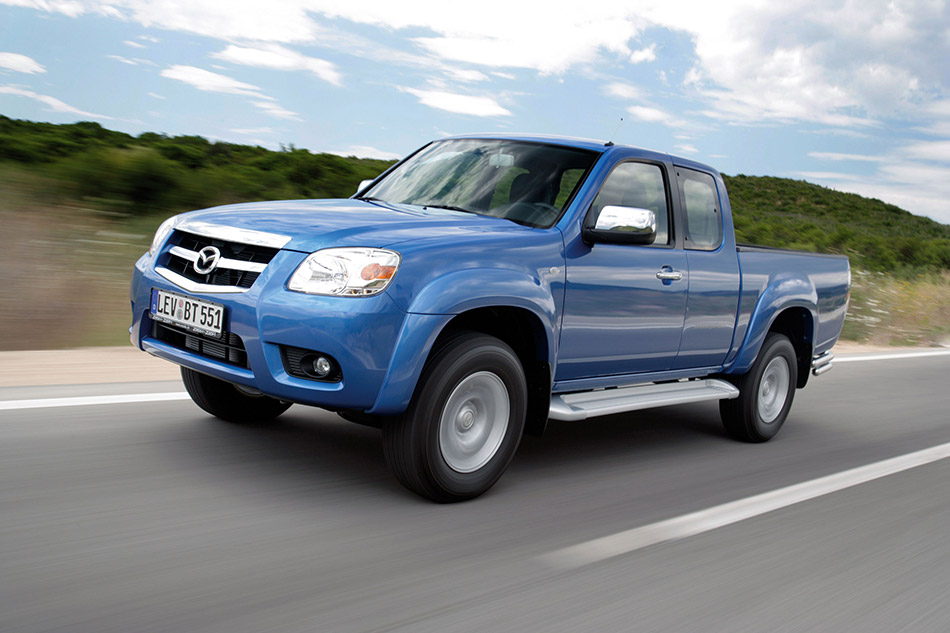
pixel 765 393
pixel 464 423
pixel 223 400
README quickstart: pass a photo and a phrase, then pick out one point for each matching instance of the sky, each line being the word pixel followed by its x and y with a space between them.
pixel 853 94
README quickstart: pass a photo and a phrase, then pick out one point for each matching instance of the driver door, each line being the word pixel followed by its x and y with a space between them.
pixel 619 317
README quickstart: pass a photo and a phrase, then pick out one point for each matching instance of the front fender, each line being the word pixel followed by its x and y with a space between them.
pixel 784 291
pixel 434 307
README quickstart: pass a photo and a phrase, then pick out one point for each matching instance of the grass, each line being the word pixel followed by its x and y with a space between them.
pixel 899 311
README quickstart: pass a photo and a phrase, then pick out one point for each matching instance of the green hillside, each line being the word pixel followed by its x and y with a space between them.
pixel 81 203
pixel 158 172
pixel 796 214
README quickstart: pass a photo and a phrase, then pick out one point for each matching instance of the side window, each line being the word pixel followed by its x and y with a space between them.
pixel 637 185
pixel 703 216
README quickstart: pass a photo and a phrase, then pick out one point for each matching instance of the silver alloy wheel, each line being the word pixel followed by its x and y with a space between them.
pixel 474 421
pixel 773 389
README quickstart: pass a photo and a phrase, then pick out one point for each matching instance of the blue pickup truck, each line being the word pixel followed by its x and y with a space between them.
pixel 480 287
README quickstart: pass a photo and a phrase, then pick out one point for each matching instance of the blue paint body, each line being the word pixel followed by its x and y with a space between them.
pixel 604 317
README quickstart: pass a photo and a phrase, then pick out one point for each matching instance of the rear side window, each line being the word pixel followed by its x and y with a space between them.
pixel 637 185
pixel 703 215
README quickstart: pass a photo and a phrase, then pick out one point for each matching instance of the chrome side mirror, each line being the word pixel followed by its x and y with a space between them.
pixel 623 225
pixel 364 184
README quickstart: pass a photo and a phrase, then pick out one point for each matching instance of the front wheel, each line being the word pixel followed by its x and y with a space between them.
pixel 765 393
pixel 223 400
pixel 464 422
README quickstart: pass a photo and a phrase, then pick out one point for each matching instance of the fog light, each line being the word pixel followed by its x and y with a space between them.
pixel 310 364
pixel 322 367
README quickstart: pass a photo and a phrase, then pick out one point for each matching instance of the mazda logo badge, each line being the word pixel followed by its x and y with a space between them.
pixel 207 260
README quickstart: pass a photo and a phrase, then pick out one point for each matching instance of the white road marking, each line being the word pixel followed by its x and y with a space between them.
pixel 857 359
pixel 705 520
pixel 41 403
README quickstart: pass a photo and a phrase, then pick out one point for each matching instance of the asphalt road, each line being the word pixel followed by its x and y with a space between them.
pixel 155 517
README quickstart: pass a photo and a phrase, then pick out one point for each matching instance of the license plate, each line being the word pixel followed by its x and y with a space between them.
pixel 189 313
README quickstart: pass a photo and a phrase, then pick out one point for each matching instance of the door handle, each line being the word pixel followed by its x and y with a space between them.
pixel 669 275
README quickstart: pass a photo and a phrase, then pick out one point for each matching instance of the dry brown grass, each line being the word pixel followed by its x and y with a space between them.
pixel 65 269
pixel 891 311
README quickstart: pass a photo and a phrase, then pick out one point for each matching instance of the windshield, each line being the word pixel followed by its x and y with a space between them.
pixel 528 183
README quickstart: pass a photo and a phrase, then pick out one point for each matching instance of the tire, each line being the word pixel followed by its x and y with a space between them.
pixel 464 422
pixel 223 400
pixel 765 393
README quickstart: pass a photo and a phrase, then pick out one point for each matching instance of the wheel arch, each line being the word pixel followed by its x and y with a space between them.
pixel 523 331
pixel 798 325
pixel 789 305
pixel 527 331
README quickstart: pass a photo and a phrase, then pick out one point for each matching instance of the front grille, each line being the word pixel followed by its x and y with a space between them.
pixel 229 348
pixel 247 261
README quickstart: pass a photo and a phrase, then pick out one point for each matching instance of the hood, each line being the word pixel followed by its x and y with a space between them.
pixel 316 224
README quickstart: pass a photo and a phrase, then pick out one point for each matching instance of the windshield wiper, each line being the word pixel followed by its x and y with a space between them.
pixel 448 207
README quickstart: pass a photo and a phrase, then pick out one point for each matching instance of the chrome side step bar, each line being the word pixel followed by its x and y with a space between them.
pixel 589 404
pixel 821 363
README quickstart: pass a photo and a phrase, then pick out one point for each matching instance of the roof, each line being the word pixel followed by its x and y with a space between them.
pixel 588 144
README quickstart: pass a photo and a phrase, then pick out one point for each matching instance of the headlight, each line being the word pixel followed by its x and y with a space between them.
pixel 345 271
pixel 164 229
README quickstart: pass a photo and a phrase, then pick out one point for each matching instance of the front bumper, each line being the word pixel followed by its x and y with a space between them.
pixel 361 333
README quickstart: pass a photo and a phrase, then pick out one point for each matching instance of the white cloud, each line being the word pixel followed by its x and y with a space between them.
pixel 466 75
pixel 622 91
pixel 212 82
pixel 280 58
pixel 155 96
pixel 252 131
pixel 20 63
pixel 124 60
pixel 133 44
pixel 843 63
pixel 458 103
pixel 72 8
pixel 51 102
pixel 275 110
pixel 653 115
pixel 647 54
pixel 937 151
pixel 149 38
pixel 686 149
pixel 848 157
pixel 366 151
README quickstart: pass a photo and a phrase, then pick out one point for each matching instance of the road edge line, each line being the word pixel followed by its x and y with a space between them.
pixel 894 356
pixel 79 401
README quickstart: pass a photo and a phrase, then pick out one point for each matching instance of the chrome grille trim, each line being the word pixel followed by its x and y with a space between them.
pixel 224 262
pixel 234 234
pixel 193 286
